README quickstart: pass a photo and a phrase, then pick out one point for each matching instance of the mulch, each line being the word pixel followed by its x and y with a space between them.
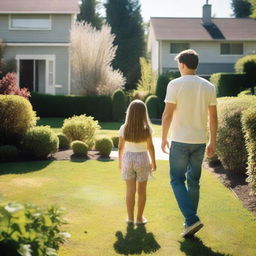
pixel 236 182
pixel 68 155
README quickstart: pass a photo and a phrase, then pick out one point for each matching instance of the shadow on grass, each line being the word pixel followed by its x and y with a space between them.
pixel 78 159
pixel 135 241
pixel 23 167
pixel 195 247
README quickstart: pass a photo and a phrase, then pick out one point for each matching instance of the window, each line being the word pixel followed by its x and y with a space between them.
pixel 231 49
pixel 178 47
pixel 30 22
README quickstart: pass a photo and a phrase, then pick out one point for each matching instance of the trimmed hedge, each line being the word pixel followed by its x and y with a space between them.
pixel 100 107
pixel 247 65
pixel 231 148
pixel 228 84
pixel 8 152
pixel 161 86
pixel 152 103
pixel 63 141
pixel 118 105
pixel 249 128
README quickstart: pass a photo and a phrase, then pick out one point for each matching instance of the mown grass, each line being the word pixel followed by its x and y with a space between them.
pixel 93 195
pixel 107 128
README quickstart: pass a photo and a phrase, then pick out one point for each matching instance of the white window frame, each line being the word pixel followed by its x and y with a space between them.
pixel 28 29
pixel 231 53
pixel 50 89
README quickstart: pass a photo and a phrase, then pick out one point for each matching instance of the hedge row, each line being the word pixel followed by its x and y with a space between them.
pixel 236 137
pixel 228 84
pixel 100 107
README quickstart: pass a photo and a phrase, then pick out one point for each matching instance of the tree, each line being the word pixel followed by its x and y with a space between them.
pixel 126 23
pixel 241 8
pixel 253 4
pixel 89 14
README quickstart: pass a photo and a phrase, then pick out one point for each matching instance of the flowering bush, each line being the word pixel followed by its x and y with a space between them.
pixel 8 86
pixel 28 230
pixel 81 128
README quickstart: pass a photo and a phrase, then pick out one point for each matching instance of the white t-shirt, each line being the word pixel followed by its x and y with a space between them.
pixel 192 96
pixel 132 146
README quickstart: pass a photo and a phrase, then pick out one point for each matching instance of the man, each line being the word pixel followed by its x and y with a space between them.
pixel 190 101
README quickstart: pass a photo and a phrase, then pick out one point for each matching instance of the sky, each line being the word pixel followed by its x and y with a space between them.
pixel 183 8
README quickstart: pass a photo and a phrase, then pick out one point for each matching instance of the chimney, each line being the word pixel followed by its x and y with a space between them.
pixel 207 13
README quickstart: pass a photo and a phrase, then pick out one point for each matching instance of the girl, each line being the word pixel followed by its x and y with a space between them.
pixel 135 142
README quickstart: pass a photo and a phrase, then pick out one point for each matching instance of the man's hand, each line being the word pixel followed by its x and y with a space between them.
pixel 165 144
pixel 210 149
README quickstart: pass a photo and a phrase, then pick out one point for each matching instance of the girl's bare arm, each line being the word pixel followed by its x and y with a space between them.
pixel 120 151
pixel 151 151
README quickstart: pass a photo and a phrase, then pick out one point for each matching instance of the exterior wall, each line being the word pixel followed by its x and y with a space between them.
pixel 211 61
pixel 153 48
pixel 61 62
pixel 59 33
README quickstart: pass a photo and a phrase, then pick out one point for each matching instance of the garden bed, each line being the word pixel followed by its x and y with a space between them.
pixel 236 182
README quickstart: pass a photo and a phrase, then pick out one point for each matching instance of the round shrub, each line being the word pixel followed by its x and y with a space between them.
pixel 63 141
pixel 81 128
pixel 79 148
pixel 115 140
pixel 118 105
pixel 231 148
pixel 8 152
pixel 16 117
pixel 104 145
pixel 140 95
pixel 39 142
pixel 152 103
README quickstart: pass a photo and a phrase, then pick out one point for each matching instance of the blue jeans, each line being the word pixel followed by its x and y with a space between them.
pixel 185 165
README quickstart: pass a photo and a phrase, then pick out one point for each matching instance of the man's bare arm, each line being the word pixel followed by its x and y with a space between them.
pixel 213 127
pixel 166 123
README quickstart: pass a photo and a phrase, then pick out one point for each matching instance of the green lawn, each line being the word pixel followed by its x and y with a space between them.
pixel 107 128
pixel 93 195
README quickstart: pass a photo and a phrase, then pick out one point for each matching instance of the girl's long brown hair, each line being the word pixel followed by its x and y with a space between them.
pixel 137 124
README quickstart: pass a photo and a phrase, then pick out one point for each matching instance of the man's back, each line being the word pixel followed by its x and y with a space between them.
pixel 192 96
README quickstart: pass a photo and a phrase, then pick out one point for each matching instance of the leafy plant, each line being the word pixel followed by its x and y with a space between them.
pixel 63 141
pixel 28 230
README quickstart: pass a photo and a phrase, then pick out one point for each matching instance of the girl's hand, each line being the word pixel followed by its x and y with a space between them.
pixel 153 167
pixel 120 165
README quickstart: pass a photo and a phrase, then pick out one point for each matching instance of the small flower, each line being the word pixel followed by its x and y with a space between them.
pixel 65 234
pixel 25 250
pixel 51 252
pixel 12 207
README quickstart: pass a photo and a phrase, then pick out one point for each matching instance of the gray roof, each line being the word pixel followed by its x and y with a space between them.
pixel 36 6
pixel 230 29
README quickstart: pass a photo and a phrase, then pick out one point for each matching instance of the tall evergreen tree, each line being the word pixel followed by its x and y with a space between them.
pixel 241 8
pixel 89 14
pixel 126 23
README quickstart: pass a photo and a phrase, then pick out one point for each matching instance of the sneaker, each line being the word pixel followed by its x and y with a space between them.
pixel 191 230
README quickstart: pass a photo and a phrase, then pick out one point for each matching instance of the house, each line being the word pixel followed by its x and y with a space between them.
pixel 37 35
pixel 219 41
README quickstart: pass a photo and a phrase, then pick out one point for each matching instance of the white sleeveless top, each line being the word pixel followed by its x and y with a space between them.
pixel 132 146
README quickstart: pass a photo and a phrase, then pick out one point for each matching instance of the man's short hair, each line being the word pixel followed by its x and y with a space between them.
pixel 189 58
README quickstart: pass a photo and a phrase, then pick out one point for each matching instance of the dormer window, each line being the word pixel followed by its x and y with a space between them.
pixel 30 22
